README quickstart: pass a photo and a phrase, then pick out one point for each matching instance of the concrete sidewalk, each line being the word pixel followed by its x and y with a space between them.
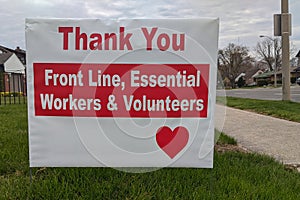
pixel 268 135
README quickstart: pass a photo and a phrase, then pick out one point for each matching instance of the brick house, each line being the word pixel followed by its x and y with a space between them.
pixel 12 71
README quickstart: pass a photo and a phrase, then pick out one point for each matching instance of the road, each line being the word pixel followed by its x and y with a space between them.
pixel 262 93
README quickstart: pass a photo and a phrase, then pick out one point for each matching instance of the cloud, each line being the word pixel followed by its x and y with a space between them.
pixel 240 21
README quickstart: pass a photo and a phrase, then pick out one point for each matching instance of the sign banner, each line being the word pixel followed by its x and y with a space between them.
pixel 121 93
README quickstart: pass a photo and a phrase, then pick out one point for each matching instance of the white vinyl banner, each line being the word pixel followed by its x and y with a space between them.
pixel 121 93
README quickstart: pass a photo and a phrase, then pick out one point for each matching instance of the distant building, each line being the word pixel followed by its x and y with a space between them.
pixel 249 78
pixel 12 70
pixel 20 53
pixel 269 77
pixel 249 74
pixel 298 57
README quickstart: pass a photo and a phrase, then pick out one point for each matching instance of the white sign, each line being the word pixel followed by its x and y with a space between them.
pixel 121 93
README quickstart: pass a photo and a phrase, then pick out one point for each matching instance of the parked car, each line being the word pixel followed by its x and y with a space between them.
pixel 298 81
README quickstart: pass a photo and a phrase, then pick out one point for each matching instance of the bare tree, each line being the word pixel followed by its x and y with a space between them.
pixel 269 50
pixel 231 59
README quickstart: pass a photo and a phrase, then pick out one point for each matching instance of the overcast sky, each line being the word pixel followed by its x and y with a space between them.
pixel 242 21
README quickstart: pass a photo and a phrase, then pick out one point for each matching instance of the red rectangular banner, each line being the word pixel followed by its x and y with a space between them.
pixel 121 90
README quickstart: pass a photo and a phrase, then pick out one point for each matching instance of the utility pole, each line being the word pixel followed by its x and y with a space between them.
pixel 285 35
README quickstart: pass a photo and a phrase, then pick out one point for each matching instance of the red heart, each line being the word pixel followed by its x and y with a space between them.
pixel 172 142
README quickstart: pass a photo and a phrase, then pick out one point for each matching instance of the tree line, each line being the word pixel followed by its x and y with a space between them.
pixel 235 59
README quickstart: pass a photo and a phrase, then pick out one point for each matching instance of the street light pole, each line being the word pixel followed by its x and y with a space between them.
pixel 275 58
pixel 285 34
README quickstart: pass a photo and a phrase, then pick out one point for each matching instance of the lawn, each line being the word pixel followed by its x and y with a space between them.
pixel 13 100
pixel 281 109
pixel 235 175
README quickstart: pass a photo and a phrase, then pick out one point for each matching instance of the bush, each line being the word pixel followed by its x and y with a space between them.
pixel 262 82
pixel 241 82
pixel 278 82
pixel 293 80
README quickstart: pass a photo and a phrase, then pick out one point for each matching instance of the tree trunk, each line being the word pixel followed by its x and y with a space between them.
pixel 232 81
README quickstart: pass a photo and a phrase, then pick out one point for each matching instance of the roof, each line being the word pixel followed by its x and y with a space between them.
pixel 297 69
pixel 298 55
pixel 265 75
pixel 292 69
pixel 4 57
pixel 239 76
pixel 17 50
pixel 5 49
pixel 251 72
pixel 271 73
pixel 20 53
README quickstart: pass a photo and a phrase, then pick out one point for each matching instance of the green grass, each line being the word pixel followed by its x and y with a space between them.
pixel 13 100
pixel 234 176
pixel 221 138
pixel 281 109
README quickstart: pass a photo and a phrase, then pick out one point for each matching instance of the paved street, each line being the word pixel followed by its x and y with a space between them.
pixel 262 93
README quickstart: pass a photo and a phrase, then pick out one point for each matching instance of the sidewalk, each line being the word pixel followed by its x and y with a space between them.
pixel 267 135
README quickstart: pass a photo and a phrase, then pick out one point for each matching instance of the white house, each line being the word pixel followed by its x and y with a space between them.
pixel 12 72
pixel 10 63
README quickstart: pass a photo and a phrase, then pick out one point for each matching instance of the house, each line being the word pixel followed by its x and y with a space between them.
pixel 269 77
pixel 250 81
pixel 12 71
pixel 248 76
pixel 20 53
pixel 297 69
pixel 242 75
pixel 298 57
pixel 264 78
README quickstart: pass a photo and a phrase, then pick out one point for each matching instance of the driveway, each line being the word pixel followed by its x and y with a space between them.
pixel 262 93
